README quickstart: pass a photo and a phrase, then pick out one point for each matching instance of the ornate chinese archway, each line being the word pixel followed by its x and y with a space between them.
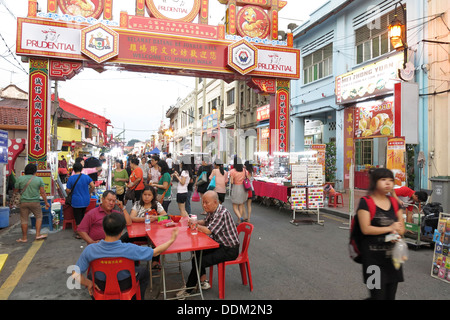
pixel 69 37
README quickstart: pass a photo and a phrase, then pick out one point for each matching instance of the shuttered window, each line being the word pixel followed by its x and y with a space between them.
pixel 318 64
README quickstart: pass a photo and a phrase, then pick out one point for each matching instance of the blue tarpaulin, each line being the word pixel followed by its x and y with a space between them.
pixel 154 151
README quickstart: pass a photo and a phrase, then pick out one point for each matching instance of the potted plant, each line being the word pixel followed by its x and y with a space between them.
pixel 330 162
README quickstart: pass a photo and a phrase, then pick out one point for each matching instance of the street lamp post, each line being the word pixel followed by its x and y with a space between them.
pixel 397 33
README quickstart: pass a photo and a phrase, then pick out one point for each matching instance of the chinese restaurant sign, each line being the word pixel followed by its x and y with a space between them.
pixel 375 79
pixel 38 112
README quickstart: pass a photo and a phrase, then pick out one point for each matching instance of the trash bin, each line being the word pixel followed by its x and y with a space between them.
pixel 441 191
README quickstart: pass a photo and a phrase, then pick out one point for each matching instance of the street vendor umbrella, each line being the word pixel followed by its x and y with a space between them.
pixel 154 151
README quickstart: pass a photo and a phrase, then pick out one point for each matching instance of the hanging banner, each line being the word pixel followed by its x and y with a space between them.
pixel 37 113
pixel 396 150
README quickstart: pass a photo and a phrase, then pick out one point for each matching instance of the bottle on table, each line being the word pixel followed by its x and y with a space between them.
pixel 147 222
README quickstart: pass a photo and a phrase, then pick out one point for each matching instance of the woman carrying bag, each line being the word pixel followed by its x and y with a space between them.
pixel 120 178
pixel 220 178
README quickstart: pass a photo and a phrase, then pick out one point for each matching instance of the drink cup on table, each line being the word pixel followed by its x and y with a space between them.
pixel 193 223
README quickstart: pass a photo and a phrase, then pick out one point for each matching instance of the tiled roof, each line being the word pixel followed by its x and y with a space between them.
pixel 10 116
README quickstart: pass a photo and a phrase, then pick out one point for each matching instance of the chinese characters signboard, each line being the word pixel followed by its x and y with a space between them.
pixel 38 113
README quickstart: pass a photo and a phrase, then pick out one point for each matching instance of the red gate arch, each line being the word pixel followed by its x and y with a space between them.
pixel 73 35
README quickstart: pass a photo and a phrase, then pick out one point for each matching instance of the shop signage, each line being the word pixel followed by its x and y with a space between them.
pixel 38 112
pixel 263 113
pixel 372 80
pixel 86 9
pixel 99 42
pixel 48 39
pixel 396 149
pixel 374 118
pixel 185 10
pixel 209 122
pixel 3 147
pixel 253 22
pixel 279 62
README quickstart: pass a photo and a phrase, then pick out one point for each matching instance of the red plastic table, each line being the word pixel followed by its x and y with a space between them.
pixel 185 242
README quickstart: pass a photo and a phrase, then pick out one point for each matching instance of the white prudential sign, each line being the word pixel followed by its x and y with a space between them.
pixel 277 62
pixel 55 39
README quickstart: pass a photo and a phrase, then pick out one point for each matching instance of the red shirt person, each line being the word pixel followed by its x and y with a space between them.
pixel 91 227
pixel 406 196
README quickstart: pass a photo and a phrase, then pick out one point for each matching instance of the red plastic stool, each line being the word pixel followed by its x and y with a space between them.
pixel 333 199
pixel 71 222
pixel 68 217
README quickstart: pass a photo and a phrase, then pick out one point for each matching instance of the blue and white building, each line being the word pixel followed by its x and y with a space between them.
pixel 350 38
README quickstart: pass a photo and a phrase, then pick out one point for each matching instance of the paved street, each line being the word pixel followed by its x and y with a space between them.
pixel 305 262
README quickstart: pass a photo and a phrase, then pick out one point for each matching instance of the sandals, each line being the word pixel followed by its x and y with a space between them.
pixel 42 237
pixel 21 240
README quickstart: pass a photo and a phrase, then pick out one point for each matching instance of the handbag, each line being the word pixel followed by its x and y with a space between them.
pixel 202 179
pixel 160 197
pixel 195 196
pixel 120 190
pixel 212 184
pixel 129 194
pixel 69 196
pixel 15 200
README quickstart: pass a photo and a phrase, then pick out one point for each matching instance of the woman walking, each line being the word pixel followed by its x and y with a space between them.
pixel 375 250
pixel 136 179
pixel 182 189
pixel 120 178
pixel 81 186
pixel 249 169
pixel 31 188
pixel 163 186
pixel 238 194
pixel 221 179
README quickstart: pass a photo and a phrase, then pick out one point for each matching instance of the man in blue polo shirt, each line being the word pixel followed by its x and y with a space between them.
pixel 111 247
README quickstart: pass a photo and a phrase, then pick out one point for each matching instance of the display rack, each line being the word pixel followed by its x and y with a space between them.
pixel 307 195
pixel 440 268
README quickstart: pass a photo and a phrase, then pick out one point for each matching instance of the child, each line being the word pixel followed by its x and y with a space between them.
pixel 374 249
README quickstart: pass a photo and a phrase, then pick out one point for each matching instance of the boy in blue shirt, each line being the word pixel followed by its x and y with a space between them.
pixel 111 247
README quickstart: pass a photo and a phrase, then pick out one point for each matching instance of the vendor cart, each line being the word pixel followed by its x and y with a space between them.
pixel 414 234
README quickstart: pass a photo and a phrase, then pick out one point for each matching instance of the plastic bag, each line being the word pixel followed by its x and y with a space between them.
pixel 399 253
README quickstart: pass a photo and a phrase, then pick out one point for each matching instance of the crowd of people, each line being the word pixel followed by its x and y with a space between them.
pixel 161 174
pixel 148 184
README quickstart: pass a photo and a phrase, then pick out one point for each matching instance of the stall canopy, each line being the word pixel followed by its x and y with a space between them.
pixel 154 151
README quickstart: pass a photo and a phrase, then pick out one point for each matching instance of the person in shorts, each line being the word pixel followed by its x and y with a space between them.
pixel 182 189
pixel 32 188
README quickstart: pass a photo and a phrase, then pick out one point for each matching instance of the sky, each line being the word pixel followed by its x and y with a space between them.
pixel 136 102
